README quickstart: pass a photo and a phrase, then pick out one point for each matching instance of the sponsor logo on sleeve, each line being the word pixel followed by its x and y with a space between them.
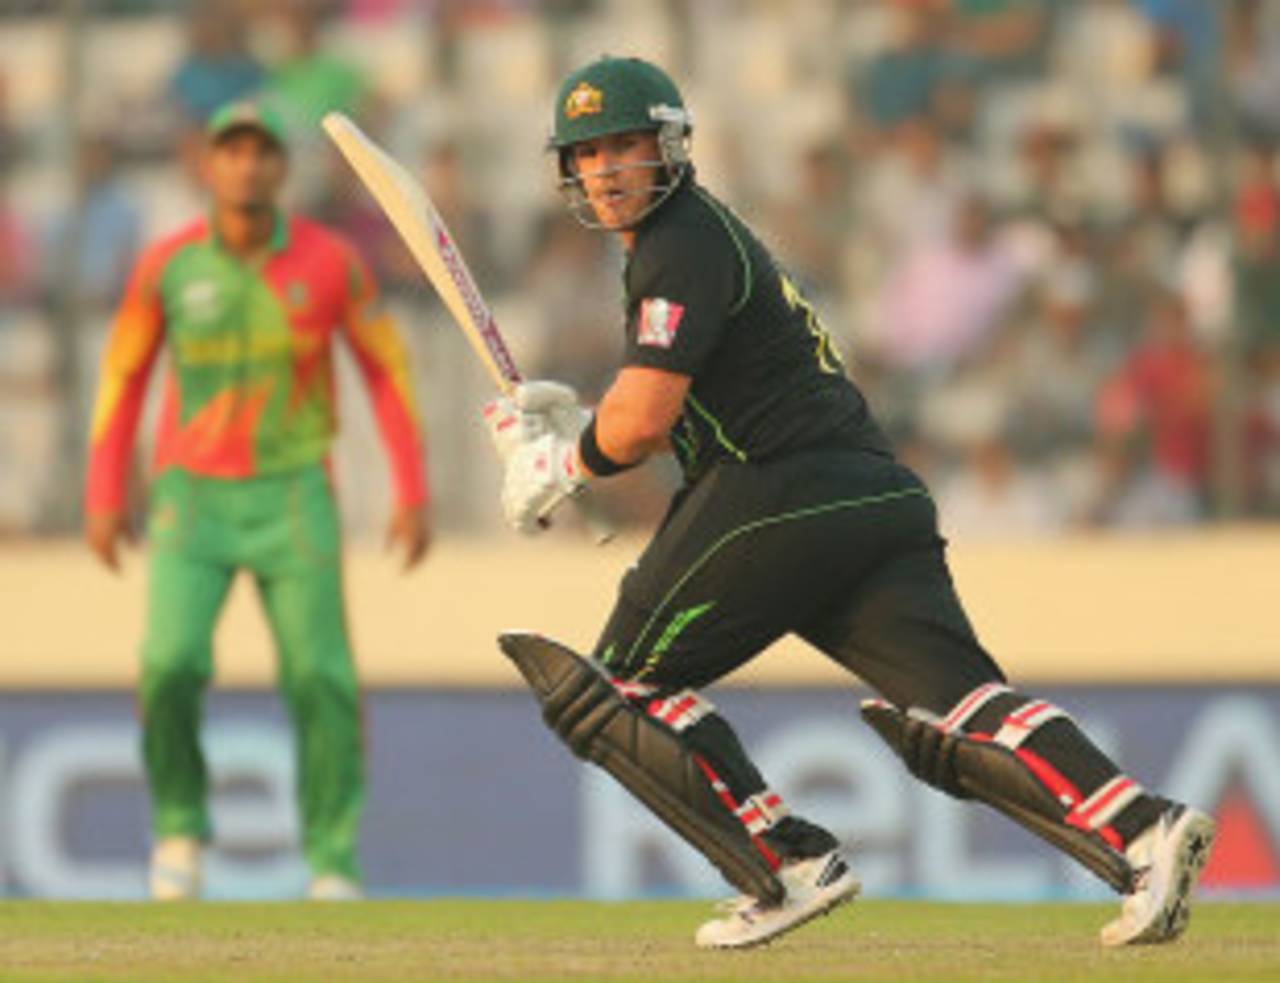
pixel 659 322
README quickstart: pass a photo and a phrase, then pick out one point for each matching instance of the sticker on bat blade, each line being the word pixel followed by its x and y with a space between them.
pixel 659 322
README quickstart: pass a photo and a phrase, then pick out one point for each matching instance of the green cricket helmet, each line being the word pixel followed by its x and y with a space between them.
pixel 621 95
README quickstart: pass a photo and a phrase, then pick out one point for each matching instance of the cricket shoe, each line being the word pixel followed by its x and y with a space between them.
pixel 176 872
pixel 1167 860
pixel 334 887
pixel 813 887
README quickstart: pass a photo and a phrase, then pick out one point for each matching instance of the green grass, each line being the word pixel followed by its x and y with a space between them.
pixel 651 941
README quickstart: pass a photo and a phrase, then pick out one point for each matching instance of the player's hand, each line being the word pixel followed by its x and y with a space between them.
pixel 103 531
pixel 540 475
pixel 508 427
pixel 533 410
pixel 410 529
pixel 557 404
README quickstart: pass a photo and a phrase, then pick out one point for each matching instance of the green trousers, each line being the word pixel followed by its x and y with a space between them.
pixel 282 529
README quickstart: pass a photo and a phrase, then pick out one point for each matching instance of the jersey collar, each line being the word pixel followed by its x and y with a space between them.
pixel 279 233
pixel 680 190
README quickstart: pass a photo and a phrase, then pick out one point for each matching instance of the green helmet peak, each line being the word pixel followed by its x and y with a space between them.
pixel 616 95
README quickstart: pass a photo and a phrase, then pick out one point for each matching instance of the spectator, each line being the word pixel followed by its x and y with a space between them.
pixel 109 228
pixel 16 268
pixel 944 300
pixel 1061 364
pixel 1142 251
pixel 1188 39
pixel 813 225
pixel 1257 282
pixel 901 82
pixel 1156 409
pixel 217 67
pixel 1262 434
pixel 571 306
pixel 304 82
pixel 1052 190
pixel 992 496
pixel 910 192
pixel 1004 39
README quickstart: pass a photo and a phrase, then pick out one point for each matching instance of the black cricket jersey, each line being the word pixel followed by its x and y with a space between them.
pixel 705 299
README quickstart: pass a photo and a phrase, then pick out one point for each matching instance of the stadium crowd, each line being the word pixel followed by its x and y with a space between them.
pixel 1044 232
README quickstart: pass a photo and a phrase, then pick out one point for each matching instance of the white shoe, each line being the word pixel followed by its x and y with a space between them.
pixel 1167 859
pixel 334 887
pixel 814 887
pixel 176 869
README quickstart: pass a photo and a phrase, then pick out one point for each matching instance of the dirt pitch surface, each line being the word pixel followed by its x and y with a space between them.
pixel 652 941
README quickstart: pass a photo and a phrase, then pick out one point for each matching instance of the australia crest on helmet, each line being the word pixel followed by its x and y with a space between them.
pixel 584 100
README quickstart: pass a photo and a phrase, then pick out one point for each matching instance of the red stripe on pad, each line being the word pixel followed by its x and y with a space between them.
pixel 1027 712
pixel 726 797
pixel 677 711
pixel 1109 834
pixel 1050 777
pixel 960 712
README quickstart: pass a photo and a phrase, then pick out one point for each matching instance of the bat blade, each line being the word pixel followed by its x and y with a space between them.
pixel 409 209
pixel 411 213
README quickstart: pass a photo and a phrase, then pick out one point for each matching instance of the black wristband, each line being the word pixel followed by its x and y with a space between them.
pixel 597 462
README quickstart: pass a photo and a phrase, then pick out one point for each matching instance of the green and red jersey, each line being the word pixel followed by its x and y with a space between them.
pixel 250 388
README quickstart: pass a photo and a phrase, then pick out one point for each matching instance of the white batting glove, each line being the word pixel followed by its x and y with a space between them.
pixel 534 409
pixel 539 395
pixel 540 475
pixel 557 403
pixel 507 426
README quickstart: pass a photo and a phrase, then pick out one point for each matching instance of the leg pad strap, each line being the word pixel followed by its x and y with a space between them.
pixel 588 713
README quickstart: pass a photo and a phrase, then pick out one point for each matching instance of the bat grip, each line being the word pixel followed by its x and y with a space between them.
pixel 598 523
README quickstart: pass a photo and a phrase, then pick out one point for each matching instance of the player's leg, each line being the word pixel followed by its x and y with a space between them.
pixel 665 681
pixel 187 586
pixel 644 741
pixel 957 724
pixel 752 552
pixel 298 571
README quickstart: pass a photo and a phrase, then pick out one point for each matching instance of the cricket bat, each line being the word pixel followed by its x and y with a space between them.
pixel 409 210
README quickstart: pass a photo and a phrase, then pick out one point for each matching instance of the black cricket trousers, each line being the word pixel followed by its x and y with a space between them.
pixel 839 546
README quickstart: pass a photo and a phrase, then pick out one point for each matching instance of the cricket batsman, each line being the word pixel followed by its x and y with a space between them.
pixel 247 302
pixel 794 516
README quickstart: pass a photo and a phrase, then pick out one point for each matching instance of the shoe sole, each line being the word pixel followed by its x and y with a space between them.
pixel 830 904
pixel 1192 855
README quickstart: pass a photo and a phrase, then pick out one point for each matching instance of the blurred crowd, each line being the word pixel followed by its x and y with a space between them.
pixel 1045 232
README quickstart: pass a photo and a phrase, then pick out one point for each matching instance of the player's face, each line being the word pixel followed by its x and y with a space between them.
pixel 245 170
pixel 618 175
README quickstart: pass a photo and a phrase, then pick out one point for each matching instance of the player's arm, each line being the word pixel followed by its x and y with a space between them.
pixel 684 283
pixel 134 339
pixel 637 413
pixel 384 365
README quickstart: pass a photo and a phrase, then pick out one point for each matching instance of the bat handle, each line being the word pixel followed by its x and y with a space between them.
pixel 598 523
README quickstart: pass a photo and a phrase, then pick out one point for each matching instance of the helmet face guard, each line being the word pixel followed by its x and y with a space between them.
pixel 669 170
pixel 621 95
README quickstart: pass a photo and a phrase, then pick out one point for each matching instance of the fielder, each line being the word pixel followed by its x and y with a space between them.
pixel 248 303
pixel 794 517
